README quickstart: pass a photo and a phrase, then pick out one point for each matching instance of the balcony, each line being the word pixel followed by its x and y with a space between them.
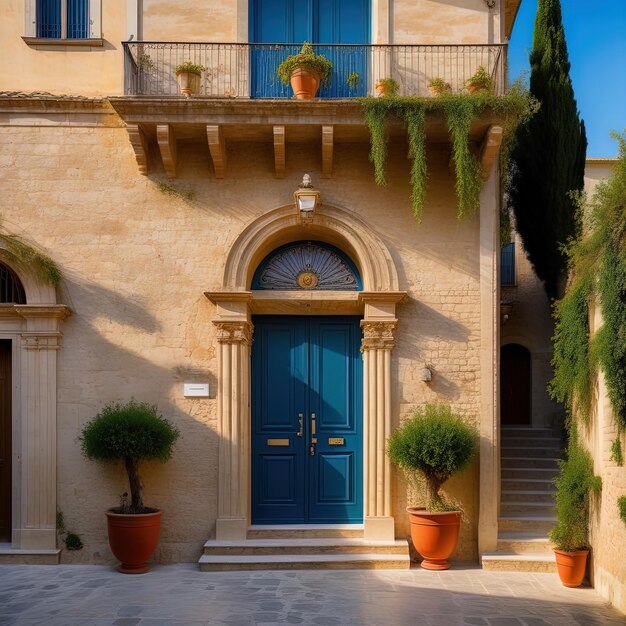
pixel 237 70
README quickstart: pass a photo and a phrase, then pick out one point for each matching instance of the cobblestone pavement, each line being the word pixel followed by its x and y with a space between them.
pixel 180 595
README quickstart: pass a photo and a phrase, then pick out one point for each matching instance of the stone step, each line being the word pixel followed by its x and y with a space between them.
pixel 510 562
pixel 528 473
pixel 524 543
pixel 535 452
pixel 306 531
pixel 527 462
pixel 303 561
pixel 524 431
pixel 526 522
pixel 526 506
pixel 524 442
pixel 527 484
pixel 18 556
pixel 305 546
pixel 525 495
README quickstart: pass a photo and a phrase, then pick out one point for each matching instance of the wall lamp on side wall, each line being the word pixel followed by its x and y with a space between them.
pixel 427 373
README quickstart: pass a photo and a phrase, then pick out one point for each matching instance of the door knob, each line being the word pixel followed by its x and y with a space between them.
pixel 300 416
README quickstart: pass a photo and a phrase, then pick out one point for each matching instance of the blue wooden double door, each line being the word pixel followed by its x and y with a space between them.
pixel 307 464
pixel 345 22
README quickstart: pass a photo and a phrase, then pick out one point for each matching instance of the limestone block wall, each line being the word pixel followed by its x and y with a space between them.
pixel 136 263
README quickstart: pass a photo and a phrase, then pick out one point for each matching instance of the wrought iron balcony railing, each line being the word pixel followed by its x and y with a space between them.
pixel 237 70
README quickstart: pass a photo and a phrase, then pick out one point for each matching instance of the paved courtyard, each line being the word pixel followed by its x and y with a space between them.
pixel 178 595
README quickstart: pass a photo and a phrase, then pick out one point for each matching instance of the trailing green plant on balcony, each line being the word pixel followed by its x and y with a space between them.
pixel 459 111
pixel 306 59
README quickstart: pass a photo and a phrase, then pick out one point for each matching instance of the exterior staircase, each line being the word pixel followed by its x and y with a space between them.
pixel 304 547
pixel 528 465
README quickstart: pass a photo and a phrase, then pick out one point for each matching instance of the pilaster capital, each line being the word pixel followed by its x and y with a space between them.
pixel 234 332
pixel 378 334
pixel 41 340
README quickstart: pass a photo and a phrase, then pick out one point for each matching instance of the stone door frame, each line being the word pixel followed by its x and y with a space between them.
pixel 34 331
pixel 235 305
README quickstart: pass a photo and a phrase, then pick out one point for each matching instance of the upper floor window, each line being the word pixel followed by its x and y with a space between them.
pixel 63 19
pixel 11 289
pixel 507 265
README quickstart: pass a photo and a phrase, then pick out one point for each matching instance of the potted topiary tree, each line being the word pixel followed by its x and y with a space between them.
pixel 435 443
pixel 131 433
pixel 574 485
pixel 188 75
pixel 480 81
pixel 305 71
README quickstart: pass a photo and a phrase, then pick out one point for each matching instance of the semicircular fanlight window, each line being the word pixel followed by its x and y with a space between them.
pixel 307 265
pixel 11 289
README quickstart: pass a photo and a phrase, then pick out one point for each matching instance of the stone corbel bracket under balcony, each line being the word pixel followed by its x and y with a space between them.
pixel 174 122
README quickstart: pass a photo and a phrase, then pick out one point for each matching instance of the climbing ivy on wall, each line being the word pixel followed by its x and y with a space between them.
pixel 44 267
pixel 597 266
pixel 459 111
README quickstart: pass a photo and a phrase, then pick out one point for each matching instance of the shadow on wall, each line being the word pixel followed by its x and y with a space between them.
pixel 114 349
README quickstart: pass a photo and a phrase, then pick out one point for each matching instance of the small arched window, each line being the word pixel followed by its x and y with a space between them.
pixel 308 265
pixel 11 288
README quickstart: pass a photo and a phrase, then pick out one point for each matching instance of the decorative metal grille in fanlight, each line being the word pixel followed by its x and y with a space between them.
pixel 307 265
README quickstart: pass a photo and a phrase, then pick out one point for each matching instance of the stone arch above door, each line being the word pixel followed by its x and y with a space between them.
pixel 330 224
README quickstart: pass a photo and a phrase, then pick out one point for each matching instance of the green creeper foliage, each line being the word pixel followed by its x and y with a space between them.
pixel 571 383
pixel 459 111
pixel 621 505
pixel 574 486
pixel 436 443
pixel 548 158
pixel 617 455
pixel 44 267
pixel 130 432
pixel 597 264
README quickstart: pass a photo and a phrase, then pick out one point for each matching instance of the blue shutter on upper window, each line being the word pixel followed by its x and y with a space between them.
pixel 49 18
pixel 507 265
pixel 77 19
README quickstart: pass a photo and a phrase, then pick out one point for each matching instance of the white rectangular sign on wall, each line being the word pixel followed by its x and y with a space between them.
pixel 196 390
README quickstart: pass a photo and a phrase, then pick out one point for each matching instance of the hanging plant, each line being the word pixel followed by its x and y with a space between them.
pixel 597 265
pixel 44 267
pixel 459 110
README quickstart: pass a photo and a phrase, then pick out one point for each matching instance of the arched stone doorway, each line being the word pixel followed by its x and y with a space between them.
pixel 515 385
pixel 238 301
pixel 30 331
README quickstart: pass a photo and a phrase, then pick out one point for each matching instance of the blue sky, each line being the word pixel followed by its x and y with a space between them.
pixel 596 42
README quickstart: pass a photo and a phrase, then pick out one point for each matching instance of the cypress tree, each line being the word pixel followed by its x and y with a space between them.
pixel 548 159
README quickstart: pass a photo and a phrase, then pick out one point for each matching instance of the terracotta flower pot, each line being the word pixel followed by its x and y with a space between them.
pixel 188 82
pixel 472 88
pixel 304 83
pixel 571 566
pixel 434 536
pixel 133 539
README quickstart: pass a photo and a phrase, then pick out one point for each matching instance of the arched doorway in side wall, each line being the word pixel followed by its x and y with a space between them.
pixel 515 385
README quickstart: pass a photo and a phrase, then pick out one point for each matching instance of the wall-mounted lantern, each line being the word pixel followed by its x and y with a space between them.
pixel 306 198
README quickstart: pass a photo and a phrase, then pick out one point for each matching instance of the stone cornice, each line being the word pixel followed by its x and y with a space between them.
pixel 29 311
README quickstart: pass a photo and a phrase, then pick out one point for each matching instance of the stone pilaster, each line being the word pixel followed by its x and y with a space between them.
pixel 378 342
pixel 234 339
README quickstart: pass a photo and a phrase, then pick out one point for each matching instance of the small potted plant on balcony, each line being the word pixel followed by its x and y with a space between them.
pixel 435 443
pixel 130 433
pixel 188 75
pixel 306 71
pixel 439 87
pixel 387 87
pixel 574 486
pixel 354 80
pixel 480 81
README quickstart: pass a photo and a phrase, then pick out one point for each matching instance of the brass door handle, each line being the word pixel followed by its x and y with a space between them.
pixel 313 429
pixel 300 416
